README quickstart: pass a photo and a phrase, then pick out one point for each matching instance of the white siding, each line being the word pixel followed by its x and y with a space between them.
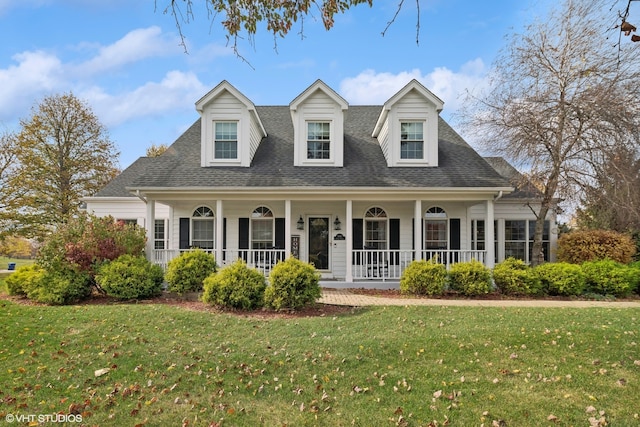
pixel 322 108
pixel 227 108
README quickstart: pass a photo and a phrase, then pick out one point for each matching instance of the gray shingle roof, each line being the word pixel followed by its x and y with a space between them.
pixel 273 164
pixel 117 186
pixel 523 189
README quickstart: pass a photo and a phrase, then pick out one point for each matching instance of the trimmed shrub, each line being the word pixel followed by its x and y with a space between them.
pixel 470 278
pixel 130 277
pixel 23 279
pixel 635 276
pixel 235 286
pixel 579 246
pixel 60 287
pixel 608 277
pixel 293 284
pixel 514 277
pixel 423 278
pixel 186 273
pixel 561 278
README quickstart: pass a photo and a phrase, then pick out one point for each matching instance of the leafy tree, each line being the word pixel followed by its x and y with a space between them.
pixel 612 201
pixel 559 96
pixel 15 247
pixel 242 18
pixel 64 153
pixel 156 150
pixel 9 196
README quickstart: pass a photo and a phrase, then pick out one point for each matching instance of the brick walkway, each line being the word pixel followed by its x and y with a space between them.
pixel 345 297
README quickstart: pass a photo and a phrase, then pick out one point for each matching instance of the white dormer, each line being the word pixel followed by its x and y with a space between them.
pixel 318 126
pixel 407 129
pixel 231 128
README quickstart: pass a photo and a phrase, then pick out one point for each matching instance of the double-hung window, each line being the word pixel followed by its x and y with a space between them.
pixel 435 228
pixel 515 239
pixel 411 140
pixel 226 140
pixel 262 228
pixel 159 234
pixel 203 228
pixel 318 140
pixel 375 232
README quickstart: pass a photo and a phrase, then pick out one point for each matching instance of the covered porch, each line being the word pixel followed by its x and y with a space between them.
pixel 359 236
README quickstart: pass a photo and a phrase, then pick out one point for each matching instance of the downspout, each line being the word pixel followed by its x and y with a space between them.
pixel 140 197
pixel 496 198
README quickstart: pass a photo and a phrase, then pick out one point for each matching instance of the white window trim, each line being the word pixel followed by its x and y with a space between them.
pixel 238 141
pixel 412 162
pixel 332 139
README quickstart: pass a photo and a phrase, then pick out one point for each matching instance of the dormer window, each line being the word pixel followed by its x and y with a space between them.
pixel 411 140
pixel 226 140
pixel 231 130
pixel 407 128
pixel 318 140
pixel 317 115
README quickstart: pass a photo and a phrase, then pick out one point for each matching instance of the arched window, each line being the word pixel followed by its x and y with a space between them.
pixel 262 225
pixel 375 229
pixel 202 228
pixel 435 228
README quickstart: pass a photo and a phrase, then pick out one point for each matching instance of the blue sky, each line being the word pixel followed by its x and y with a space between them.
pixel 123 57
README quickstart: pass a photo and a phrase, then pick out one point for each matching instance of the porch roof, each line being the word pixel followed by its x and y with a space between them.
pixel 460 166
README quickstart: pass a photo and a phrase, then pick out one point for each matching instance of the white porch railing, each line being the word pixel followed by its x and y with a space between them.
pixel 376 264
pixel 262 259
pixel 450 257
pixel 389 264
pixel 380 264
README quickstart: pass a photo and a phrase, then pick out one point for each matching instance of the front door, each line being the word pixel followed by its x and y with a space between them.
pixel 319 242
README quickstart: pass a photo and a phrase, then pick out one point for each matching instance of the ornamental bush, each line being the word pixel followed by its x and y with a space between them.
pixel 514 277
pixel 561 278
pixel 423 277
pixel 87 241
pixel 130 277
pixel 186 273
pixel 470 278
pixel 235 286
pixel 23 279
pixel 607 277
pixel 293 284
pixel 60 287
pixel 579 246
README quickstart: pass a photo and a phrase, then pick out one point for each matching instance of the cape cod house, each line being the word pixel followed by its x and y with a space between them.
pixel 359 191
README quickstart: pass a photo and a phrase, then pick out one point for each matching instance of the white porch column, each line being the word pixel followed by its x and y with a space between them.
pixel 489 233
pixel 219 231
pixel 150 228
pixel 417 229
pixel 287 228
pixel 349 241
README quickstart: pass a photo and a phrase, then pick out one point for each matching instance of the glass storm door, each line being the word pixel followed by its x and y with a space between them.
pixel 319 242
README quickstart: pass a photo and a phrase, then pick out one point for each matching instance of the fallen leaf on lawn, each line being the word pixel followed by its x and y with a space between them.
pixel 101 372
pixel 552 418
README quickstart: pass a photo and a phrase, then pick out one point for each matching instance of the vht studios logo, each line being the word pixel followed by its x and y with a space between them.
pixel 43 418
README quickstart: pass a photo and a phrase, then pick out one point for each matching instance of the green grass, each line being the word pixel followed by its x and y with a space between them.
pixel 4 262
pixel 382 366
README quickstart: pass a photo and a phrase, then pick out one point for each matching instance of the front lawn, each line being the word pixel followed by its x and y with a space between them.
pixel 157 364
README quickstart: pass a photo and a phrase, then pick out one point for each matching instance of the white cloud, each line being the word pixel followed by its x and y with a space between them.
pixel 36 73
pixel 370 87
pixel 175 92
pixel 134 46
